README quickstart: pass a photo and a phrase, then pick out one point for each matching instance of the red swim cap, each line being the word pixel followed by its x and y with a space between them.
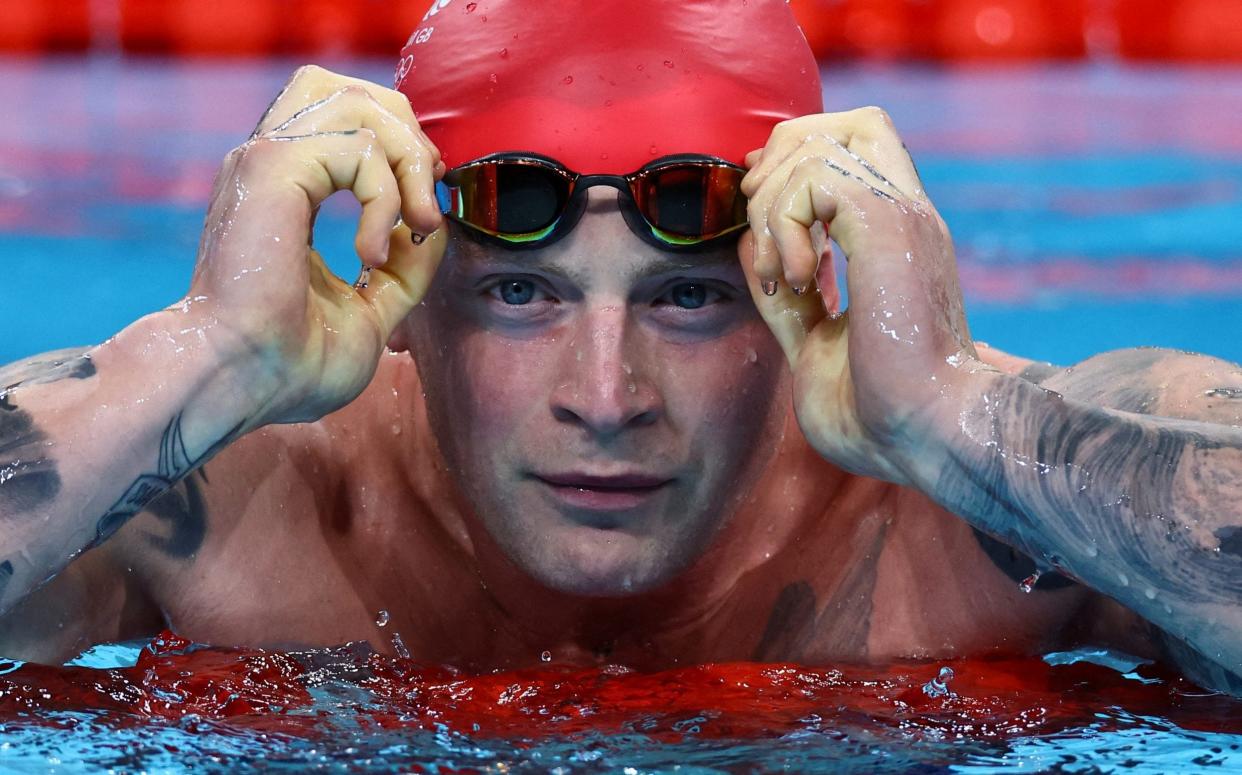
pixel 605 87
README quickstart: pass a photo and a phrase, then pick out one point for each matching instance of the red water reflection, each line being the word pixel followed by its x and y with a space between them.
pixel 271 692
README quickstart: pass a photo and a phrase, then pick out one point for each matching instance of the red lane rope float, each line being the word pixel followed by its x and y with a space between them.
pixel 270 692
pixel 32 27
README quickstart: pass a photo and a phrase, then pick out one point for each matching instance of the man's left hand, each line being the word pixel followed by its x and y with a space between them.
pixel 870 384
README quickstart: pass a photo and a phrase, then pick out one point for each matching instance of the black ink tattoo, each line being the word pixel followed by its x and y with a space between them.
pixel 789 625
pixel 28 477
pixel 6 575
pixel 1147 506
pixel 44 370
pixel 174 463
pixel 798 629
pixel 184 509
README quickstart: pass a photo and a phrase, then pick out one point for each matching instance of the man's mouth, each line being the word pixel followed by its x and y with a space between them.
pixel 596 492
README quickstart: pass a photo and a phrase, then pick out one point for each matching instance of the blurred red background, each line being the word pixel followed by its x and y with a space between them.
pixel 933 30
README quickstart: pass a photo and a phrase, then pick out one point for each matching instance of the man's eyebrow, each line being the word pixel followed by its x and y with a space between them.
pixel 560 268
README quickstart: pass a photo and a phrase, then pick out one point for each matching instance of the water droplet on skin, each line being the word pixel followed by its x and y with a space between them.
pixel 1029 582
pixel 381 620
pixel 603 156
pixel 504 53
pixel 567 80
pixel 668 63
pixel 545 656
pixel 470 7
pixel 752 356
pixel 640 67
pixel 493 78
pixel 608 103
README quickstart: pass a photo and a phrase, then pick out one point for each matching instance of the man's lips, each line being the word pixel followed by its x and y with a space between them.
pixel 596 492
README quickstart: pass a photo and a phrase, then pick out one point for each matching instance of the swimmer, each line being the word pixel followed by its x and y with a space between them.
pixel 614 419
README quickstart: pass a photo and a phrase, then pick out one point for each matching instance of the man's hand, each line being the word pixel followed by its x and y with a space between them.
pixel 867 382
pixel 1142 508
pixel 312 337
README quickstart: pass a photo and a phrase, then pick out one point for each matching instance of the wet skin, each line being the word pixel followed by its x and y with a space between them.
pixel 603 453
pixel 755 548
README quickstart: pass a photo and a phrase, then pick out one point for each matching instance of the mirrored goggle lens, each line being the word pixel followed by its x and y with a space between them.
pixel 513 200
pixel 688 203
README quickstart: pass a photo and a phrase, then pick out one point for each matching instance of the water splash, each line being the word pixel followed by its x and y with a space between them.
pixel 939 686
pixel 382 618
pixel 545 657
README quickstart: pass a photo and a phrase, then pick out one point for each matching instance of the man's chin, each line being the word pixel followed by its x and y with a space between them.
pixel 602 563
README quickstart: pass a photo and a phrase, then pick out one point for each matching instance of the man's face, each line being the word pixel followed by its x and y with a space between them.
pixel 603 404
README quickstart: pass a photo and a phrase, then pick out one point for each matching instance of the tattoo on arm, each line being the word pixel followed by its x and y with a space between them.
pixel 184 510
pixel 174 463
pixel 28 475
pixel 1147 507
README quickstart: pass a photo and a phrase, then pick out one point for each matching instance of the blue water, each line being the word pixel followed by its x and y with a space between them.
pixel 1093 208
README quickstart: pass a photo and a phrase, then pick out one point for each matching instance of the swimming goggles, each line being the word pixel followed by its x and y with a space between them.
pixel 524 200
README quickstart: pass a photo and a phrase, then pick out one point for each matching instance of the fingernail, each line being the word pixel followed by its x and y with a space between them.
pixel 416 238
pixel 798 289
pixel 769 288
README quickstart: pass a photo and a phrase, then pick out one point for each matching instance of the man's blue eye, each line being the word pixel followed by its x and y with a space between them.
pixel 517 292
pixel 689 295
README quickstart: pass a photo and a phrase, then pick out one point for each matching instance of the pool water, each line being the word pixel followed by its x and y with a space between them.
pixel 1093 207
pixel 172 707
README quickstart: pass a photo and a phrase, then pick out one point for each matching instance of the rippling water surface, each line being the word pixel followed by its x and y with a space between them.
pixel 174 707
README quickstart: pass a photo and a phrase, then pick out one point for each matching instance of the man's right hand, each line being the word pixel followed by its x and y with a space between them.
pixel 261 284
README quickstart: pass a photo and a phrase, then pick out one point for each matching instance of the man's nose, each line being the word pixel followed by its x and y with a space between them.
pixel 604 382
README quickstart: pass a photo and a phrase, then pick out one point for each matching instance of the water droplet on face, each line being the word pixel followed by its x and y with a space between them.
pixel 603 156
pixel 504 53
pixel 545 656
pixel 470 7
pixel 608 103
pixel 668 63
pixel 640 67
pixel 752 356
pixel 381 619
pixel 567 80
pixel 493 78
pixel 652 150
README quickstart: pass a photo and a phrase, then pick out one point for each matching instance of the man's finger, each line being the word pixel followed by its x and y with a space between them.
pixel 790 317
pixel 399 285
pixel 410 155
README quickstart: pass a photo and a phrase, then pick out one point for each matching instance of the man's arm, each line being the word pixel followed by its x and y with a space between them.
pixel 266 335
pixel 88 438
pixel 1141 501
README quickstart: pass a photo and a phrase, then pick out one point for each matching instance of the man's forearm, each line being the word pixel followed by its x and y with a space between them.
pixel 1147 510
pixel 88 439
